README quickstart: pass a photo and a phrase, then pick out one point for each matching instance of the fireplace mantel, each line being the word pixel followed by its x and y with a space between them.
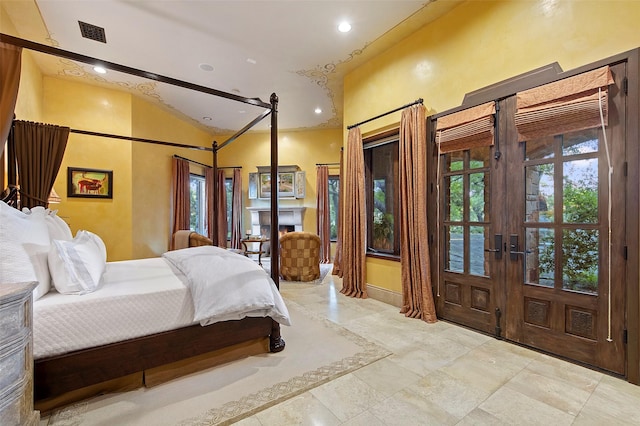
pixel 287 215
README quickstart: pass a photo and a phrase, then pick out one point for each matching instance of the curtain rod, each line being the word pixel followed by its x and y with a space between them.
pixel 327 164
pixel 134 139
pixel 417 101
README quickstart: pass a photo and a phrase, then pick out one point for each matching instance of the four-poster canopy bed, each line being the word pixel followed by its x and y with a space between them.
pixel 65 377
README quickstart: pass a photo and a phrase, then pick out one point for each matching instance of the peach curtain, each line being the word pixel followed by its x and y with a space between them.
pixel 39 151
pixel 10 59
pixel 236 210
pixel 354 224
pixel 417 294
pixel 337 256
pixel 181 206
pixel 322 204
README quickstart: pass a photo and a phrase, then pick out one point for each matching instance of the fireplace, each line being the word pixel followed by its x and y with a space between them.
pixel 289 219
pixel 265 230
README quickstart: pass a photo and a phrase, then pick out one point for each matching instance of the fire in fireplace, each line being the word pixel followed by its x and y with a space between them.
pixel 265 230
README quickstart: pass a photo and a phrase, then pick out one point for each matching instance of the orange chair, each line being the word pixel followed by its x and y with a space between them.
pixel 300 256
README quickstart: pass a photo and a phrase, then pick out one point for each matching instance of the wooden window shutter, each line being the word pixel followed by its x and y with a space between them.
pixel 466 129
pixel 563 106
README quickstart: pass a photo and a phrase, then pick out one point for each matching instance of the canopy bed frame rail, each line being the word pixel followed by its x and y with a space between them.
pixel 271 110
pixel 61 374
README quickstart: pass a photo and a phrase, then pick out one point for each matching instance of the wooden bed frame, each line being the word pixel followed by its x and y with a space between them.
pixel 67 378
pixel 59 376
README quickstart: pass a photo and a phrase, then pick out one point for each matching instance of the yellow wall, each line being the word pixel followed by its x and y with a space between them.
pixel 96 109
pixel 475 45
pixel 302 148
pixel 151 174
pixel 29 104
pixel 136 222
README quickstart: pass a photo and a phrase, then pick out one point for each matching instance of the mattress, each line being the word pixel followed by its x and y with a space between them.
pixel 136 298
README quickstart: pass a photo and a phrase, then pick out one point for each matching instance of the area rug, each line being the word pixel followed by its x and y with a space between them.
pixel 317 351
pixel 325 268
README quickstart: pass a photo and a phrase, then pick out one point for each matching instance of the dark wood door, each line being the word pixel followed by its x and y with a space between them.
pixel 470 264
pixel 533 240
pixel 565 266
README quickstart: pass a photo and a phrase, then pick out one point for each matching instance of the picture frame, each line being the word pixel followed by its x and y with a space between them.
pixel 253 186
pixel 300 187
pixel 265 185
pixel 286 185
pixel 89 183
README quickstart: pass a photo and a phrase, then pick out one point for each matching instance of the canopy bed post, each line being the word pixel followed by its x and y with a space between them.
pixel 276 342
pixel 275 246
pixel 214 233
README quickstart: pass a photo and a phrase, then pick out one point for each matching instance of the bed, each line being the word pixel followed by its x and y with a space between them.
pixel 101 326
pixel 72 374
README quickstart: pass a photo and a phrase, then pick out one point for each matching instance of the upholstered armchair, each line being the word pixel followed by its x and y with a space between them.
pixel 300 256
pixel 186 238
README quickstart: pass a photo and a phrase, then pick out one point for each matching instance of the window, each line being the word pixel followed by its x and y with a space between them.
pixel 381 190
pixel 198 204
pixel 334 205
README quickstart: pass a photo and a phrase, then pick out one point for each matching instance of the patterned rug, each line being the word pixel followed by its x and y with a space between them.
pixel 317 351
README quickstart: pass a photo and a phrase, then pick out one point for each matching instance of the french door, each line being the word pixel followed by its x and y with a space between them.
pixel 532 241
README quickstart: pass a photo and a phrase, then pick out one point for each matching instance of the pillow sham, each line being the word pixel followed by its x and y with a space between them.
pixel 77 266
pixel 58 228
pixel 24 246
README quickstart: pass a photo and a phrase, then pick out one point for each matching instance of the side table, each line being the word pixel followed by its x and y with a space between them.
pixel 254 240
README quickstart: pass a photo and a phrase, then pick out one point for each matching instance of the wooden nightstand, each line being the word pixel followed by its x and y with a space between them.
pixel 16 355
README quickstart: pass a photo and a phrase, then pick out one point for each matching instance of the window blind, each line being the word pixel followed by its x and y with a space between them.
pixel 470 128
pixel 563 106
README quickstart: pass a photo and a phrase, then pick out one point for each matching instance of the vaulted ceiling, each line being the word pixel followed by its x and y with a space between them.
pixel 248 48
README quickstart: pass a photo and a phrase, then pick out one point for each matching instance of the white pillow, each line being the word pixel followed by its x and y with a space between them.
pixel 77 266
pixel 24 245
pixel 58 228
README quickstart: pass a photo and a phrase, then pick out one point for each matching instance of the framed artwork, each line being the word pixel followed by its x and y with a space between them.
pixel 286 184
pixel 89 183
pixel 253 186
pixel 265 185
pixel 300 184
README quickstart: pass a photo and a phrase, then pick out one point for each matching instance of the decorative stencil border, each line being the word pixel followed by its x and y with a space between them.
pixel 249 405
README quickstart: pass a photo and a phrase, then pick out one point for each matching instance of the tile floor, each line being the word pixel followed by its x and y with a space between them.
pixel 445 374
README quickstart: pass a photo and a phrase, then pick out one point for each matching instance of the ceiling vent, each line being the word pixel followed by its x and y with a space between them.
pixel 92 32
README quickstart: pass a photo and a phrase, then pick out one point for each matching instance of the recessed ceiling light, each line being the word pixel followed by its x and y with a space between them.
pixel 100 70
pixel 318 110
pixel 242 111
pixel 206 67
pixel 252 61
pixel 206 118
pixel 344 27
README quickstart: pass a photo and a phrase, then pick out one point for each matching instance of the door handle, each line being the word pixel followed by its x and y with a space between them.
pixel 514 248
pixel 497 242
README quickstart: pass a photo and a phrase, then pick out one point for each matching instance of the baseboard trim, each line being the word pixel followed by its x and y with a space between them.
pixel 383 295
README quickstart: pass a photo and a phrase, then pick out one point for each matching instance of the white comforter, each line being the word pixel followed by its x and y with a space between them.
pixel 227 286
